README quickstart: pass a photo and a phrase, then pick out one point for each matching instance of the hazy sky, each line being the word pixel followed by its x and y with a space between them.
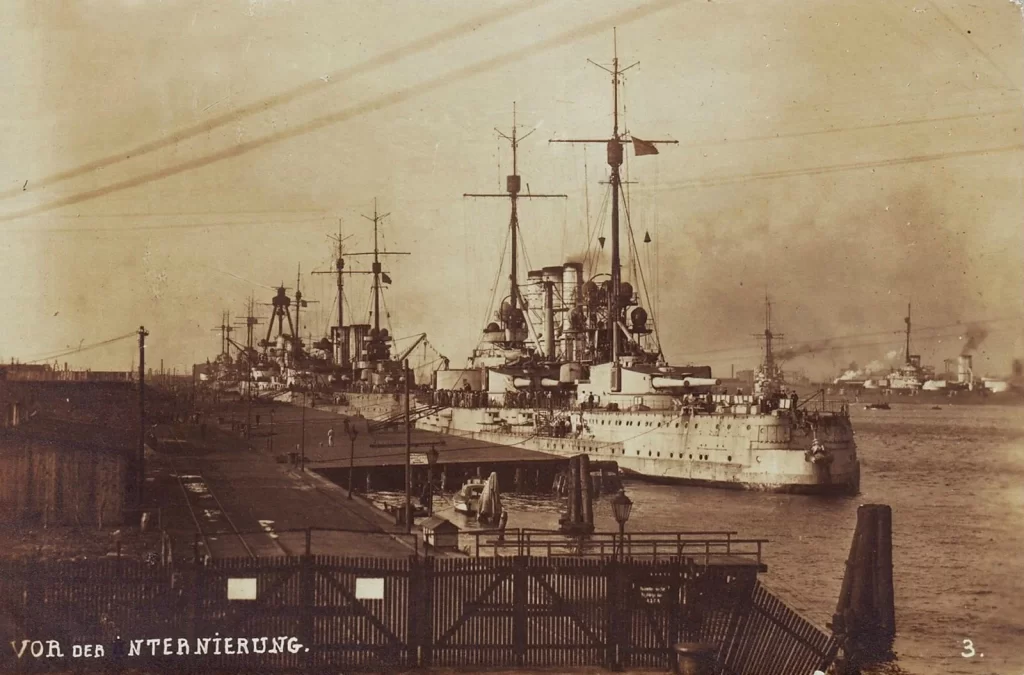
pixel 847 156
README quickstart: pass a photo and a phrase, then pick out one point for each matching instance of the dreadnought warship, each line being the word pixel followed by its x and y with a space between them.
pixel 572 364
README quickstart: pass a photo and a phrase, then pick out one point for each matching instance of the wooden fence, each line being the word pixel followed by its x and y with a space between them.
pixel 51 485
pixel 370 613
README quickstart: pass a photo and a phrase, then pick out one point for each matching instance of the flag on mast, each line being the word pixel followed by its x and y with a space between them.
pixel 642 148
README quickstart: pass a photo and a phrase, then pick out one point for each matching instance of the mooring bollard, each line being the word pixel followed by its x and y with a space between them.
pixel 694 658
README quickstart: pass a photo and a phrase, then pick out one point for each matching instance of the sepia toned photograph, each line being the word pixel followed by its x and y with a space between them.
pixel 518 337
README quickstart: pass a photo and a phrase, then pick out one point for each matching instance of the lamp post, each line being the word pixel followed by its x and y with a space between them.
pixel 302 462
pixel 352 433
pixel 408 451
pixel 621 506
pixel 432 456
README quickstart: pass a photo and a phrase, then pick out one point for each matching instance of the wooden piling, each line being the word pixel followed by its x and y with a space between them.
pixel 586 498
pixel 885 606
pixel 865 619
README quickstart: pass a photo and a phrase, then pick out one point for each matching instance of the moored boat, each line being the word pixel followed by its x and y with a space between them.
pixel 467 499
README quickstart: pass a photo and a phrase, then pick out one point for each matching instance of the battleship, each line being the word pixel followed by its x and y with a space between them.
pixel 918 382
pixel 572 364
pixel 358 367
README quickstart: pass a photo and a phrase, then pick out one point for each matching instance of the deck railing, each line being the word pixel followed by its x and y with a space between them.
pixel 706 546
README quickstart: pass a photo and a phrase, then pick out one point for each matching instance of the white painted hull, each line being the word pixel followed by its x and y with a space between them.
pixel 740 451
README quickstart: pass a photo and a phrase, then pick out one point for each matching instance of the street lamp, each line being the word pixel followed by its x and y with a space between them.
pixel 432 456
pixel 621 506
pixel 302 462
pixel 352 433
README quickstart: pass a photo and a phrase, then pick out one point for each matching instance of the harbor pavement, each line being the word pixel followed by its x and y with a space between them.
pixel 237 485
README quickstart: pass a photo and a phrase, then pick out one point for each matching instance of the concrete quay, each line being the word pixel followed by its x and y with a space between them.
pixel 245 501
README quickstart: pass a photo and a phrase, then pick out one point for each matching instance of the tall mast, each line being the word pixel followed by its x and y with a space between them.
pixel 768 336
pixel 225 330
pixel 615 152
pixel 339 266
pixel 907 320
pixel 298 306
pixel 377 270
pixel 513 185
pixel 769 377
pixel 339 271
pixel 250 322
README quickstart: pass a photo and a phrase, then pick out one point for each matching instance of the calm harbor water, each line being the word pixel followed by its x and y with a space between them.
pixel 955 480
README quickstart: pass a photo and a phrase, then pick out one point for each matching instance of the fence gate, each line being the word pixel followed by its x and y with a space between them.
pixel 472 621
pixel 566 612
pixel 676 601
pixel 361 613
pixel 223 604
pixel 346 612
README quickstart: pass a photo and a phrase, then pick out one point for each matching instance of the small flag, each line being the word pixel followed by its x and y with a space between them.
pixel 601 241
pixel 642 148
pixel 647 237
pixel 385 278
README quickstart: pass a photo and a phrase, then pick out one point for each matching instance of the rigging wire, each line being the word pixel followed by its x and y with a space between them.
pixel 593 254
pixel 586 194
pixel 76 350
pixel 643 279
pixel 497 279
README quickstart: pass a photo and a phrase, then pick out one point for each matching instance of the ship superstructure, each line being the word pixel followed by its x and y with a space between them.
pixel 907 378
pixel 572 364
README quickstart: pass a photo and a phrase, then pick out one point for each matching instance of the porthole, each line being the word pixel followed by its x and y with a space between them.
pixel 730 458
pixel 648 453
pixel 659 454
pixel 691 456
pixel 695 425
pixel 748 427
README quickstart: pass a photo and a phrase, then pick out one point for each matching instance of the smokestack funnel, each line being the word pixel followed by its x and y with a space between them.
pixel 964 370
pixel 549 320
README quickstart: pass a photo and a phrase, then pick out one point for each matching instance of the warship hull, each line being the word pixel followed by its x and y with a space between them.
pixel 737 451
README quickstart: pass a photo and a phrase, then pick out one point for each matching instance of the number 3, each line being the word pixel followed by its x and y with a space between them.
pixel 968 651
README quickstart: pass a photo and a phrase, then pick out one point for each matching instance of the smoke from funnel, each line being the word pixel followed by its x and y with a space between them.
pixel 876 367
pixel 974 336
pixel 787 353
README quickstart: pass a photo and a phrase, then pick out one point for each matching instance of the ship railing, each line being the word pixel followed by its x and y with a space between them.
pixel 817 403
pixel 706 546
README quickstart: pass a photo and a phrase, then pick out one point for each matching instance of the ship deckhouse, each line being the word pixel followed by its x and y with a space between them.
pixel 644 386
